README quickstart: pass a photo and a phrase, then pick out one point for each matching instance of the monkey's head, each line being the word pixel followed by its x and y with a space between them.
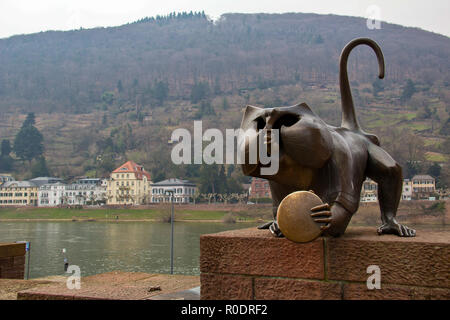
pixel 304 139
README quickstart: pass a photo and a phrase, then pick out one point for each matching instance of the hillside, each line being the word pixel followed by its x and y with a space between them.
pixel 135 83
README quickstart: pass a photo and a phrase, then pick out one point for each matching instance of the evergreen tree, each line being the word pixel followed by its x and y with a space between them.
pixel 160 91
pixel 445 129
pixel 208 178
pixel 225 104
pixel 6 148
pixel 6 162
pixel 434 170
pixel 119 86
pixel 105 120
pixel 411 169
pixel 39 168
pixel 377 87
pixel 28 143
pixel 108 97
pixel 206 108
pixel 199 91
pixel 222 185
pixel 30 120
pixel 408 91
pixel 217 89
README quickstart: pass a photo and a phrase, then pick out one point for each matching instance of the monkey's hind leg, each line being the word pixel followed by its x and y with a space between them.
pixel 278 193
pixel 388 174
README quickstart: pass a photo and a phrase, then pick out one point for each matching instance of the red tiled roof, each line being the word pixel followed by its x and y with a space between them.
pixel 132 167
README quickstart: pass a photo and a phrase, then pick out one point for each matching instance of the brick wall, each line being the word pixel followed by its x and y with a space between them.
pixel 12 260
pixel 251 264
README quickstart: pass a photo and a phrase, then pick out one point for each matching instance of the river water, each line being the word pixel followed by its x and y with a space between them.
pixel 98 247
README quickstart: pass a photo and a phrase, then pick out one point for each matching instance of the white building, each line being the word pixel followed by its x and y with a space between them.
pixel 51 194
pixel 56 194
pixel 5 177
pixel 183 191
pixel 85 194
pixel 369 191
pixel 407 190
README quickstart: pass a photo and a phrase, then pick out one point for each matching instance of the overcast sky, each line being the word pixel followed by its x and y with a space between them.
pixel 29 16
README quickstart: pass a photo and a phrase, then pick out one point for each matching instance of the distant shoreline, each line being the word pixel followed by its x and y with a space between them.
pixel 121 220
pixel 188 213
pixel 409 212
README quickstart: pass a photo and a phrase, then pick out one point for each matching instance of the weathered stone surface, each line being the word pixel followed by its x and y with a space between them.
pixel 19 261
pixel 251 264
pixel 12 260
pixel 113 286
pixel 420 261
pixel 257 252
pixel 225 287
pixel 358 291
pixel 6 262
pixel 12 249
pixel 10 287
pixel 292 289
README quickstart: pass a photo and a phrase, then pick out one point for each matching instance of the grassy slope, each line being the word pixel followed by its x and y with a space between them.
pixel 410 212
pixel 110 214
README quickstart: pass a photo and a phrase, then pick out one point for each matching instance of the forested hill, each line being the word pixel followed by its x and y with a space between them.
pixel 107 95
pixel 70 71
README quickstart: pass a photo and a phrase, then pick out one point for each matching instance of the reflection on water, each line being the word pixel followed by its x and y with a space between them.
pixel 98 247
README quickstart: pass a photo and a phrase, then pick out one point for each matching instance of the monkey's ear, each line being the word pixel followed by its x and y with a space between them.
pixel 303 105
pixel 250 111
pixel 249 114
pixel 304 108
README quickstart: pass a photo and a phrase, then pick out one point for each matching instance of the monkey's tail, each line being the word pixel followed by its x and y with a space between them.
pixel 349 119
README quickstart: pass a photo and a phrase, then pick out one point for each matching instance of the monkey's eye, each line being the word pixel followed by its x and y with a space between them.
pixel 260 123
pixel 287 120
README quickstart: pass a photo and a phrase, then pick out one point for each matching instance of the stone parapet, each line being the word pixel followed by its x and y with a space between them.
pixel 251 264
pixel 12 260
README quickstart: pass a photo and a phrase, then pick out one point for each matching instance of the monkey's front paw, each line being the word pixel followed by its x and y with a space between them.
pixel 275 230
pixel 396 228
pixel 322 215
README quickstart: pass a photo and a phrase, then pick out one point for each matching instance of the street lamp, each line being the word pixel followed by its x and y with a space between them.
pixel 171 193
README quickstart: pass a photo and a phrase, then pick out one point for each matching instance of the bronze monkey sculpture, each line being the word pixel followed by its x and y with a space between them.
pixel 333 162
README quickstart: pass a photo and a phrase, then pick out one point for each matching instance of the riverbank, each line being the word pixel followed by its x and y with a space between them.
pixel 200 213
pixel 412 212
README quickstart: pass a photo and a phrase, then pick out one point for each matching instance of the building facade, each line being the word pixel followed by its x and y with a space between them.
pixel 407 190
pixel 369 191
pixel 423 186
pixel 259 188
pixel 183 191
pixel 129 184
pixel 5 177
pixel 19 193
pixel 85 194
pixel 58 194
pixel 51 194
